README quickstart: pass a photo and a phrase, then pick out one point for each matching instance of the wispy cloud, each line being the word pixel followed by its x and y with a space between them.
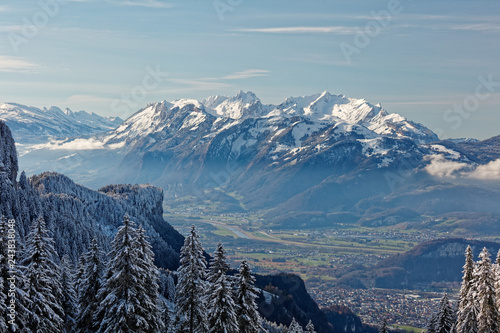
pixel 15 64
pixel 339 30
pixel 199 84
pixel 316 58
pixel 143 3
pixel 488 27
pixel 11 28
pixel 212 83
pixel 246 74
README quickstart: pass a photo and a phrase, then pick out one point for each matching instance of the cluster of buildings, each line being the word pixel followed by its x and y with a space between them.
pixel 409 308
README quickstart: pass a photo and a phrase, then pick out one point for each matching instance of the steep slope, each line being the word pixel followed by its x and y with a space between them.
pixel 75 210
pixel 33 125
pixel 287 298
pixel 76 214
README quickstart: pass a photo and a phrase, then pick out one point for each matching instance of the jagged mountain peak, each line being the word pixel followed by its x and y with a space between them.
pixel 183 102
pixel 247 97
pixel 242 105
pixel 327 107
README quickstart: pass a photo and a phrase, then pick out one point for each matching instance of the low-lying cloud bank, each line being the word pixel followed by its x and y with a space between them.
pixel 439 166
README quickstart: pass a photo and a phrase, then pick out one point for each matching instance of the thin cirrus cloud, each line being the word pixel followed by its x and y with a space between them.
pixel 143 3
pixel 16 64
pixel 246 74
pixel 213 83
pixel 488 27
pixel 339 30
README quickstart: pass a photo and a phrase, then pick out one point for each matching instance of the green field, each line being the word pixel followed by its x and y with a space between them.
pixel 409 328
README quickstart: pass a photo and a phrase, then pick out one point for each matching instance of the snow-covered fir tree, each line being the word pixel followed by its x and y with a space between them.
pixel 487 317
pixel 218 265
pixel 149 300
pixel 249 320
pixel 295 327
pixel 170 287
pixel 91 271
pixel 69 301
pixel 191 303
pixel 43 277
pixel 79 274
pixel 431 324
pixel 444 320
pixel 496 273
pixel 123 307
pixel 310 328
pixel 383 327
pixel 220 303
pixel 467 307
pixel 268 327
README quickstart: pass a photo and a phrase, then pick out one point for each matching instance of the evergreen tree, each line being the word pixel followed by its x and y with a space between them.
pixel 383 328
pixel 487 317
pixel 122 308
pixel 467 308
pixel 190 288
pixel 269 327
pixel 80 274
pixel 249 320
pixel 149 300
pixel 444 319
pixel 90 282
pixel 69 301
pixel 432 324
pixel 295 327
pixel 310 328
pixel 43 281
pixel 496 274
pixel 218 265
pixel 221 307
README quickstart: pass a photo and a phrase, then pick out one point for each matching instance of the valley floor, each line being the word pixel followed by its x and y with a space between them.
pixel 320 257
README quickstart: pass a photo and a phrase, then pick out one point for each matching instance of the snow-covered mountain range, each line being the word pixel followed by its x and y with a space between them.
pixel 319 111
pixel 34 125
pixel 324 153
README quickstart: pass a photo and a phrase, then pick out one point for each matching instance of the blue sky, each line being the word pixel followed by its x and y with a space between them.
pixel 427 60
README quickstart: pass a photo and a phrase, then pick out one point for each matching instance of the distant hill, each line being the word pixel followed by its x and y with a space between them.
pixel 429 263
